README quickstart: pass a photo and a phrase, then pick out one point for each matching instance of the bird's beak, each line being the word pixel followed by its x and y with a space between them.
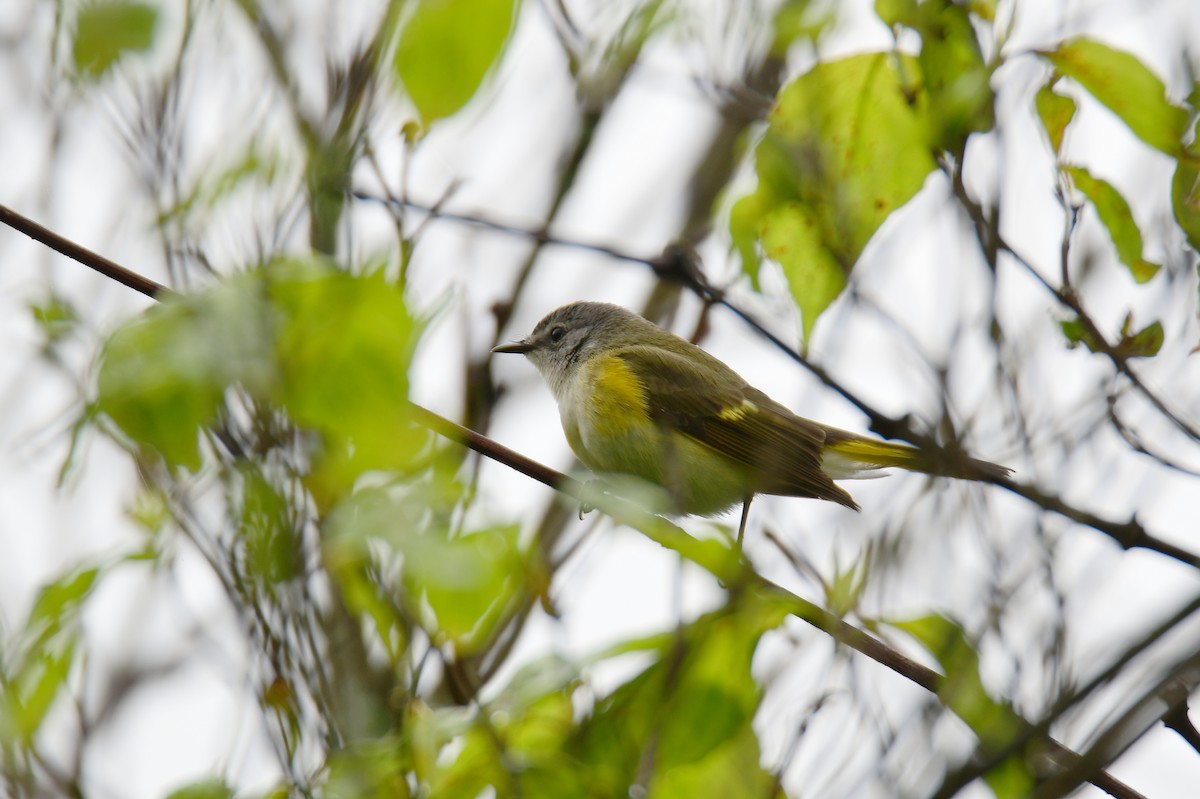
pixel 519 347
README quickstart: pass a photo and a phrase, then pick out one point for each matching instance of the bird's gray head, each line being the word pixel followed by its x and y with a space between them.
pixel 568 336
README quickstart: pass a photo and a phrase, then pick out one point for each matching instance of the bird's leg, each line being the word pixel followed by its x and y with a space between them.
pixel 592 485
pixel 745 516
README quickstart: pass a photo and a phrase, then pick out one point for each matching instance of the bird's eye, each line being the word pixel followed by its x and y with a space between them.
pixel 557 333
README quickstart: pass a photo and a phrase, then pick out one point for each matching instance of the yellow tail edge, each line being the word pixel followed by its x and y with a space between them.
pixel 867 454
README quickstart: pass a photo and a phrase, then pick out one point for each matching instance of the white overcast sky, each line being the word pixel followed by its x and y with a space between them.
pixel 77 179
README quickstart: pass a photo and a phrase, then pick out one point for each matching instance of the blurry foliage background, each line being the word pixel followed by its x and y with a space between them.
pixel 236 561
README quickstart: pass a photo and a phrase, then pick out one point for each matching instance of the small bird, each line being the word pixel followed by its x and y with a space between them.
pixel 637 400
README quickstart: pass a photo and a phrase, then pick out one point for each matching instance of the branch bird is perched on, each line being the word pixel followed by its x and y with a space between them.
pixel 638 400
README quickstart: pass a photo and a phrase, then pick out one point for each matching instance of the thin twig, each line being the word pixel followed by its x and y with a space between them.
pixel 88 258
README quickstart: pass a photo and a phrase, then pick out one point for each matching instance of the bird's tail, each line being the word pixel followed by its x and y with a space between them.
pixel 846 455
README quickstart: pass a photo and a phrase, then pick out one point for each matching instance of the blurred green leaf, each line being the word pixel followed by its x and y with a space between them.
pixel 690 712
pixel 163 376
pixel 219 180
pixel 272 553
pixel 211 788
pixel 732 771
pixel 549 675
pixel 847 144
pixel 105 31
pixel 30 693
pixel 1117 217
pixel 693 708
pixel 994 723
pixel 61 599
pixel 149 510
pixel 984 9
pixel 351 570
pixel 745 217
pixel 1056 112
pixel 1145 343
pixel 468 579
pixel 541 727
pixel 796 21
pixel 792 236
pixel 37 666
pixel 843 594
pixel 330 348
pixel 460 586
pixel 57 606
pixel 1185 195
pixel 956 78
pixel 370 769
pixel 1078 333
pixel 533 717
pixel 342 357
pixel 430 732
pixel 480 764
pixel 1126 87
pixel 447 47
pixel 56 319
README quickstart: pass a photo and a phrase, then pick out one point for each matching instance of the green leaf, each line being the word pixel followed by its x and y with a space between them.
pixel 1127 88
pixel 211 788
pixel 39 680
pixel 479 763
pixel 220 179
pixel 368 769
pixel 149 510
pixel 163 376
pixel 732 771
pixel 447 48
pixel 791 236
pixel 105 31
pixel 469 580
pixel 551 675
pixel 39 664
pixel 797 21
pixel 1056 112
pixel 994 723
pixel 744 218
pixel 694 705
pixel 56 319
pixel 341 355
pixel 1145 343
pixel 956 78
pixel 847 144
pixel 1117 217
pixel 537 735
pixel 459 586
pixel 61 599
pixel 351 571
pixel 1078 333
pixel 1185 197
pixel 984 9
pixel 843 594
pixel 272 552
pixel 534 716
pixel 332 349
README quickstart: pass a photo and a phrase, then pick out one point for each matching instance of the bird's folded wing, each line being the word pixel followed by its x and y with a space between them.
pixel 711 404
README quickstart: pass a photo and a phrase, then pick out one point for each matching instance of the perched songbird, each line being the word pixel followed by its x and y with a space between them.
pixel 637 400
